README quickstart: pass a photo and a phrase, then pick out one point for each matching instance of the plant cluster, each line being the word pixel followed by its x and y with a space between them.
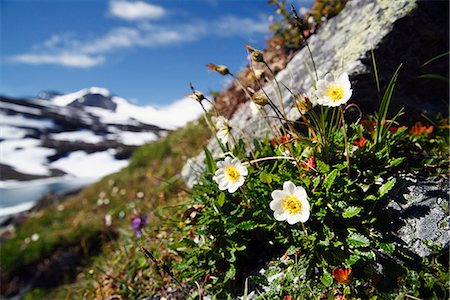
pixel 313 201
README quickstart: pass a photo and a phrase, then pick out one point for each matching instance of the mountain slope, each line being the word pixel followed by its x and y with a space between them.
pixel 66 134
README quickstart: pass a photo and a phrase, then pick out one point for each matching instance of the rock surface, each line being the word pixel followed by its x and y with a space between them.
pixel 401 31
pixel 419 214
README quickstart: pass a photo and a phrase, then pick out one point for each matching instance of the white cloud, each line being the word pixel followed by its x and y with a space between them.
pixel 138 10
pixel 68 51
pixel 64 59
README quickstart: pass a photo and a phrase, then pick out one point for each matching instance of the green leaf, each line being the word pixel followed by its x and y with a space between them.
pixel 385 188
pixel 353 259
pixel 210 163
pixel 322 167
pixel 230 273
pixel 387 247
pixel 395 162
pixel 221 199
pixel 330 179
pixel 247 225
pixel 265 178
pixel 326 279
pixel 434 76
pixel 351 211
pixel 370 198
pixel 358 240
pixel 365 254
pixel 316 182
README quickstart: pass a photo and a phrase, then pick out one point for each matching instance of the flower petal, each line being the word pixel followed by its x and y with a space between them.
pixel 278 195
pixel 292 219
pixel 300 193
pixel 275 205
pixel 289 187
pixel 280 216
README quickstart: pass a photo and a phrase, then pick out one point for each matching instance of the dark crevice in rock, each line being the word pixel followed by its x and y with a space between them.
pixel 414 40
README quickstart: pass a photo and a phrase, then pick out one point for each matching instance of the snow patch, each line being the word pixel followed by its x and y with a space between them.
pixel 21 121
pixel 133 138
pixel 9 132
pixel 26 156
pixel 80 136
pixel 98 164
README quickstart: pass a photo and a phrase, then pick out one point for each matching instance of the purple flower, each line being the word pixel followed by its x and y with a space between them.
pixel 138 222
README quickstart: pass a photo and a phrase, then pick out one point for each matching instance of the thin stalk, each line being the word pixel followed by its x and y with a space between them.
pixel 241 86
pixel 212 128
pixel 278 87
pixel 347 155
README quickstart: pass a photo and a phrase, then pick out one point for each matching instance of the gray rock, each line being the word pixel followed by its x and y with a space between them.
pixel 400 31
pixel 419 214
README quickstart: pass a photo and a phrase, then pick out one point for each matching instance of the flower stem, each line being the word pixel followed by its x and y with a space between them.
pixel 347 155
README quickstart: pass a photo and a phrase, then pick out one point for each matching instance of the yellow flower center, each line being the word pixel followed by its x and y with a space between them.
pixel 292 204
pixel 335 92
pixel 232 173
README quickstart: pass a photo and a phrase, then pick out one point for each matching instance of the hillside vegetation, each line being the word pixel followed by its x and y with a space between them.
pixel 302 214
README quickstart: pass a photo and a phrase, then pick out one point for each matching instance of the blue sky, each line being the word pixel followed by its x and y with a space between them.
pixel 146 51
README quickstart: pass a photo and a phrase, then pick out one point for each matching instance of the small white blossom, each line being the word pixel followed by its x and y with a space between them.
pixel 290 204
pixel 222 128
pixel 35 237
pixel 230 174
pixel 108 220
pixel 333 90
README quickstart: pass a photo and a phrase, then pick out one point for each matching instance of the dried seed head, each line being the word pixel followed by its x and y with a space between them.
pixel 256 55
pixel 303 103
pixel 198 96
pixel 260 99
pixel 222 70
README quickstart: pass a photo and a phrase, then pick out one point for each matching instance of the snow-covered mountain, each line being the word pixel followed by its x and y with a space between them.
pixel 88 133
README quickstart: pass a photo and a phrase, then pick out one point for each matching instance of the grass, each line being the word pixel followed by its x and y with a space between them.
pixel 79 222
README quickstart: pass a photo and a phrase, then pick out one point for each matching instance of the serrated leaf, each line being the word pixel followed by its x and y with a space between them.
pixel 221 199
pixel 387 247
pixel 365 254
pixel 316 182
pixel 352 259
pixel 247 225
pixel 326 279
pixel 210 163
pixel 351 211
pixel 385 188
pixel 358 240
pixel 330 179
pixel 395 162
pixel 322 167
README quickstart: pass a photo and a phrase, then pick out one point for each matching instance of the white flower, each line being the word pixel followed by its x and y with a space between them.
pixel 35 237
pixel 108 220
pixel 290 204
pixel 333 91
pixel 230 174
pixel 222 128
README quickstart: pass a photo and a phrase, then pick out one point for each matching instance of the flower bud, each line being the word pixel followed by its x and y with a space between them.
pixel 198 96
pixel 222 70
pixel 260 99
pixel 256 55
pixel 303 103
